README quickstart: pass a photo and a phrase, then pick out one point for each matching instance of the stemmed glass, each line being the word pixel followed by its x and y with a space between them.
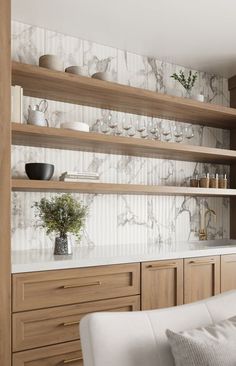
pixel 140 125
pixel 112 123
pixel 166 130
pixel 189 132
pixel 178 132
pixel 153 129
pixel 126 124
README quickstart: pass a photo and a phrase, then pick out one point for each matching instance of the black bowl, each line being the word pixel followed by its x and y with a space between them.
pixel 39 171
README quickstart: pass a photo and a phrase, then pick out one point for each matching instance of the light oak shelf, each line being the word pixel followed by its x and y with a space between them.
pixel 61 86
pixel 57 138
pixel 26 185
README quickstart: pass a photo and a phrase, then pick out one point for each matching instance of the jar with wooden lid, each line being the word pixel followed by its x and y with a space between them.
pixel 204 181
pixel 214 180
pixel 194 181
pixel 223 181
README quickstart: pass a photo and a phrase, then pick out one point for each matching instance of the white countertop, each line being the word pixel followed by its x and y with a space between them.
pixel 43 260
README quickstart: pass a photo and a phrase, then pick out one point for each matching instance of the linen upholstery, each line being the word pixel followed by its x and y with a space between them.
pixel 139 338
pixel 213 345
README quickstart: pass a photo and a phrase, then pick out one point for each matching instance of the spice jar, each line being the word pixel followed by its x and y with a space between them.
pixel 223 182
pixel 194 181
pixel 214 181
pixel 204 181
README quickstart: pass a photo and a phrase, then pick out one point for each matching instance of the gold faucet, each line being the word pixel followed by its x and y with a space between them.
pixel 203 231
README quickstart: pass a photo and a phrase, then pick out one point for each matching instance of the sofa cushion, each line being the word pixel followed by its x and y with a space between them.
pixel 213 345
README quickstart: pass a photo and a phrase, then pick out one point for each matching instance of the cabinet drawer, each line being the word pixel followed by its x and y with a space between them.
pixel 62 354
pixel 40 328
pixel 39 290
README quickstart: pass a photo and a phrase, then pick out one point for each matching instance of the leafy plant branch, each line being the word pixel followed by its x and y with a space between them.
pixel 186 81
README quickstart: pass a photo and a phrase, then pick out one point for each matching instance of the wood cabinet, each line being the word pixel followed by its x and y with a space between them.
pixel 228 272
pixel 48 307
pixel 39 290
pixel 162 284
pixel 201 278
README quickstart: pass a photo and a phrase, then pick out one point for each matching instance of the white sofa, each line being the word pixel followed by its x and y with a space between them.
pixel 138 338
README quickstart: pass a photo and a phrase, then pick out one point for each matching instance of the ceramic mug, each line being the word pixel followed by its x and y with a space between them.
pixel 37 118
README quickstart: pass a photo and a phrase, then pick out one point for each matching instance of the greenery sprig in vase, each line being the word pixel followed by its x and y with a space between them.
pixel 61 215
pixel 186 81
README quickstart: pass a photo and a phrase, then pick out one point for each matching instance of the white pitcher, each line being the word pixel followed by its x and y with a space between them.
pixel 36 114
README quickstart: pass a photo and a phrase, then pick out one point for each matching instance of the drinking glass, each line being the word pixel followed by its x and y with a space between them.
pixel 166 130
pixel 189 132
pixel 112 122
pixel 126 124
pixel 104 127
pixel 178 132
pixel 140 125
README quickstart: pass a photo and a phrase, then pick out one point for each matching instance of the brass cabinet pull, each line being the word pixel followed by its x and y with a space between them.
pixel 97 283
pixel 71 323
pixel 170 265
pixel 202 262
pixel 73 360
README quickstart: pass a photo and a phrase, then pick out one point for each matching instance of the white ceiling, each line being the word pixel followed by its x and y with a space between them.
pixel 195 33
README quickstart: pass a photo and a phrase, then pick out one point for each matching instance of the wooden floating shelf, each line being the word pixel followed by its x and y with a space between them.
pixel 57 138
pixel 26 185
pixel 65 87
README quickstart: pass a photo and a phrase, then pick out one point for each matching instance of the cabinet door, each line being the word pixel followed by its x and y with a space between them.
pixel 228 272
pixel 162 284
pixel 201 278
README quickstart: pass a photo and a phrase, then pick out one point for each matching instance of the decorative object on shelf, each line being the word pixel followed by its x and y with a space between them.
pixel 188 83
pixel 62 215
pixel 36 114
pixel 79 177
pixel 16 104
pixel 77 126
pixel 223 181
pixel 105 76
pixel 77 70
pixel 214 180
pixel 52 62
pixel 39 171
pixel 204 181
pixel 194 181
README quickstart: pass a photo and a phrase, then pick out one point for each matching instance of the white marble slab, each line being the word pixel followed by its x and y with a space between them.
pixel 43 260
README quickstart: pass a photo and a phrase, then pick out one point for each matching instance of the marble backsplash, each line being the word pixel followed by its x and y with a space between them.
pixel 118 219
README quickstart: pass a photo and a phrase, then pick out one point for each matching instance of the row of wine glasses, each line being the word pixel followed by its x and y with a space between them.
pixel 143 127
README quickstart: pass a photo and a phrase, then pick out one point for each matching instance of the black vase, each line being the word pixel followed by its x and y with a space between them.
pixel 62 246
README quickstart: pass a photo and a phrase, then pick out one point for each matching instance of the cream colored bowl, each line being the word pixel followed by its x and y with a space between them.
pixel 77 70
pixel 105 76
pixel 52 62
pixel 77 126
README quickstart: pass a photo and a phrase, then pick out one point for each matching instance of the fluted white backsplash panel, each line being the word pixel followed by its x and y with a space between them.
pixel 118 219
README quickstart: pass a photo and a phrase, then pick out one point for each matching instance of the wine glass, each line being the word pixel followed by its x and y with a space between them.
pixel 112 122
pixel 189 132
pixel 178 132
pixel 166 130
pixel 104 127
pixel 140 125
pixel 144 134
pixel 152 128
pixel 126 124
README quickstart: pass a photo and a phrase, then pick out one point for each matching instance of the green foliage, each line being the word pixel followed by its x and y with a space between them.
pixel 188 81
pixel 61 214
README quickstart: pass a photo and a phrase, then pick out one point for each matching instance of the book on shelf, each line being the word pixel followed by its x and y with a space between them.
pixel 80 175
pixel 16 104
pixel 78 180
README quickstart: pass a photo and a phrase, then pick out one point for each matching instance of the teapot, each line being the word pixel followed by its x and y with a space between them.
pixel 36 114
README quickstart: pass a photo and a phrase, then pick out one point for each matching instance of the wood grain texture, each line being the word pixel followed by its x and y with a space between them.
pixel 57 138
pixel 26 185
pixel 161 284
pixel 38 328
pixel 53 288
pixel 228 272
pixel 50 356
pixel 5 185
pixel 56 85
pixel 201 278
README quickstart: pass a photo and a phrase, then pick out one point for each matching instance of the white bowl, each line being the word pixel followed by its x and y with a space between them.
pixel 105 76
pixel 77 70
pixel 52 62
pixel 77 126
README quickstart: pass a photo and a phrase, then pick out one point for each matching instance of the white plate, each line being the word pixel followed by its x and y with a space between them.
pixel 78 126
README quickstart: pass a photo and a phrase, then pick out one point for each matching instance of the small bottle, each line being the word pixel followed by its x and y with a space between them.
pixel 223 181
pixel 204 181
pixel 194 181
pixel 214 181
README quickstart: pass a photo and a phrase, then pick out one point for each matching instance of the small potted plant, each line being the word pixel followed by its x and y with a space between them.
pixel 61 215
pixel 188 83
